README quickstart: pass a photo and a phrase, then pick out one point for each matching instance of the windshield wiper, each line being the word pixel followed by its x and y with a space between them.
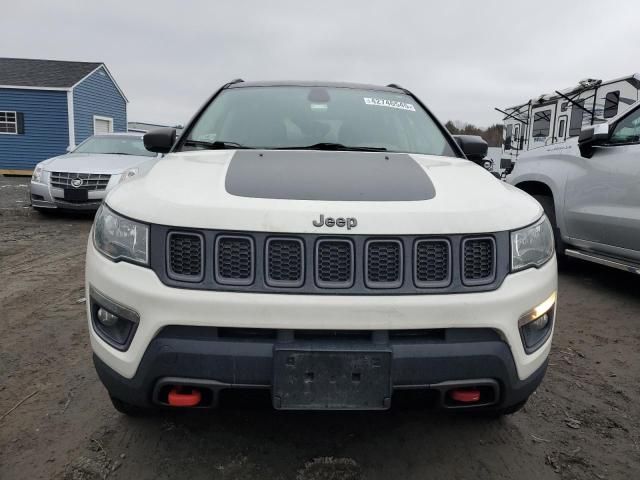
pixel 217 145
pixel 333 146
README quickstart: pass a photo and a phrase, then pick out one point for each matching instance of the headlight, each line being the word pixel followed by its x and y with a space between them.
pixel 37 174
pixel 128 174
pixel 120 238
pixel 532 246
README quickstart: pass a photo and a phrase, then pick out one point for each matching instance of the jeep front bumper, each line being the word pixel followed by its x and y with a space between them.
pixel 228 338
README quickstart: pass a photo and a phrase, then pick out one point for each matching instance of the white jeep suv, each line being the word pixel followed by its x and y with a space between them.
pixel 328 243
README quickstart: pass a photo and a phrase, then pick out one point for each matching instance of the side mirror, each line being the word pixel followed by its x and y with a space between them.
pixel 159 140
pixel 473 146
pixel 592 136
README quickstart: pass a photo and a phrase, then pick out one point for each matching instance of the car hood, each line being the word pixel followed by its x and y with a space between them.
pixel 287 191
pixel 93 163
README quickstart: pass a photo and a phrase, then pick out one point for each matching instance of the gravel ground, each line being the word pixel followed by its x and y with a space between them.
pixel 582 423
pixel 14 196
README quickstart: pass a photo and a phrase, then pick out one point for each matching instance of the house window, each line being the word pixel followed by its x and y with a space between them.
pixel 611 104
pixel 102 125
pixel 575 124
pixel 541 124
pixel 9 123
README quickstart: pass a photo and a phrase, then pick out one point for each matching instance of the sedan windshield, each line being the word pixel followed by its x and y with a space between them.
pixel 322 118
pixel 120 145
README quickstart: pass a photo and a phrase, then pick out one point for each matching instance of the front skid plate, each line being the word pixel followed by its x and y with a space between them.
pixel 331 379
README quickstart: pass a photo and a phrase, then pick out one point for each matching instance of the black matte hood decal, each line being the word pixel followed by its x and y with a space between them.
pixel 329 176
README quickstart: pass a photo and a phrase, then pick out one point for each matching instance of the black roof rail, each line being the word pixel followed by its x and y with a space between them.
pixel 395 85
pixel 237 80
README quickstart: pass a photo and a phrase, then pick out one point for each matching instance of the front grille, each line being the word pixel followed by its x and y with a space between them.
pixel 334 263
pixel 285 262
pixel 90 181
pixel 432 263
pixel 185 258
pixel 316 264
pixel 384 264
pixel 234 260
pixel 478 261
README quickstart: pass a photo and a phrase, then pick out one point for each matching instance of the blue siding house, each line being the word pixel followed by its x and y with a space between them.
pixel 47 106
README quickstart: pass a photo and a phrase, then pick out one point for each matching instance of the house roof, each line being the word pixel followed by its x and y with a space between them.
pixel 24 72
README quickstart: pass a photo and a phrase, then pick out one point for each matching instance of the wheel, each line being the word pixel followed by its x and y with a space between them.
pixel 550 211
pixel 130 410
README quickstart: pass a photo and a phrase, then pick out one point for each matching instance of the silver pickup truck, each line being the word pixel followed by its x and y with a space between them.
pixel 589 187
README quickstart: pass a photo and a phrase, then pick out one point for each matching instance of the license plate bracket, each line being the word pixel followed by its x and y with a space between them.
pixel 305 379
pixel 76 195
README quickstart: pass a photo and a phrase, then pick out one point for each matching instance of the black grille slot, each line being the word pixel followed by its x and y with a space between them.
pixel 383 264
pixel 432 263
pixel 234 260
pixel 284 262
pixel 334 263
pixel 479 262
pixel 185 259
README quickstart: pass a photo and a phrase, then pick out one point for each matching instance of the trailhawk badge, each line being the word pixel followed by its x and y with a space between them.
pixel 341 222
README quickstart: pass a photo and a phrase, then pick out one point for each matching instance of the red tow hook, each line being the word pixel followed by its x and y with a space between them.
pixel 467 395
pixel 184 397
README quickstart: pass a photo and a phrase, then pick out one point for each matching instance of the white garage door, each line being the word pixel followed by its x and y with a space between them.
pixel 102 125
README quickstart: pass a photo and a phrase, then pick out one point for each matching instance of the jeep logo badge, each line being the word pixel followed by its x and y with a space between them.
pixel 341 222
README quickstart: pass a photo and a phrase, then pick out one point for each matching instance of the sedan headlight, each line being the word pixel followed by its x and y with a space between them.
pixel 37 174
pixel 120 238
pixel 128 174
pixel 532 246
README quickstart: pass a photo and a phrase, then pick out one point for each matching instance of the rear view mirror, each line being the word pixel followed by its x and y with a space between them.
pixel 592 136
pixel 160 140
pixel 473 146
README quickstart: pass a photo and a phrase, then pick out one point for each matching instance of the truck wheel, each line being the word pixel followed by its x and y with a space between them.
pixel 550 211
pixel 130 410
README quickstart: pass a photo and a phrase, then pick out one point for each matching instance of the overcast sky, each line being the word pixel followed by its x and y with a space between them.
pixel 463 58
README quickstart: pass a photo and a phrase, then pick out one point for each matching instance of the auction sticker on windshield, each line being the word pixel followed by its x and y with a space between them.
pixel 383 102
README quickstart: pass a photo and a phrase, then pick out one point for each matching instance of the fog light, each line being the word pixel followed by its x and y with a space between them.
pixel 113 322
pixel 536 324
pixel 539 323
pixel 108 319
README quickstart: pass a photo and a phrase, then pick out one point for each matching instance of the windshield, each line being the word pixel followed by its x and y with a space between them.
pixel 115 145
pixel 298 117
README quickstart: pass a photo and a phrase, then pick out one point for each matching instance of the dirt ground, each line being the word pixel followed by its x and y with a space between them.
pixel 583 422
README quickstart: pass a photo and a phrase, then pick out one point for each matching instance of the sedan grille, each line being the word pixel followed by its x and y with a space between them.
pixel 88 181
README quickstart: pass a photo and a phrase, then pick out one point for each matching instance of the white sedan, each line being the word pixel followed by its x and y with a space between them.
pixel 80 179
